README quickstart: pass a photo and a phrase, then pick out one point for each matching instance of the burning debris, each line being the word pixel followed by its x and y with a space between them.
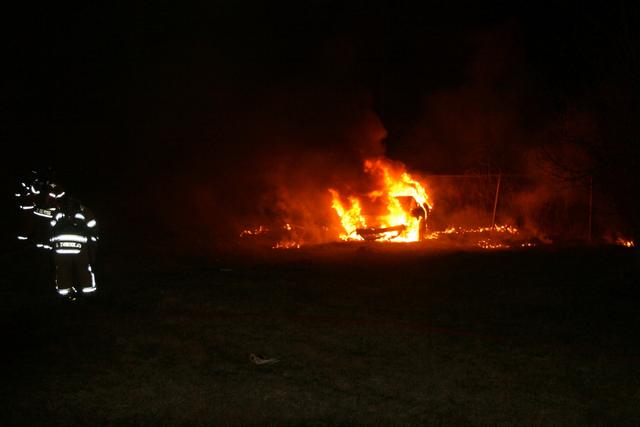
pixel 287 245
pixel 283 236
pixel 259 231
pixel 395 209
pixel 509 229
pixel 494 237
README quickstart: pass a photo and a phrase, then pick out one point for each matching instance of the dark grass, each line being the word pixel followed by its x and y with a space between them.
pixel 366 335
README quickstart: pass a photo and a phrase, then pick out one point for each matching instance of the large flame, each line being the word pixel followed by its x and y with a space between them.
pixel 404 201
pixel 350 218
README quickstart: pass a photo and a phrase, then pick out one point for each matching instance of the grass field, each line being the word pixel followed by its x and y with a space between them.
pixel 364 335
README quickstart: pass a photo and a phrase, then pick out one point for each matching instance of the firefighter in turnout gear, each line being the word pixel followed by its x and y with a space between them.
pixel 25 200
pixel 38 200
pixel 73 238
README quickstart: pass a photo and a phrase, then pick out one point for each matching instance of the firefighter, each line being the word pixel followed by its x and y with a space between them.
pixel 25 201
pixel 38 199
pixel 48 199
pixel 73 238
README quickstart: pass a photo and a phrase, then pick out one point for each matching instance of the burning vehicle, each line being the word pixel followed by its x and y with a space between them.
pixel 395 209
pixel 389 205
pixel 412 216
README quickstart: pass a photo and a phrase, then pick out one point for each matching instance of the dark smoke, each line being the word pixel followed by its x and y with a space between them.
pixel 499 121
pixel 271 166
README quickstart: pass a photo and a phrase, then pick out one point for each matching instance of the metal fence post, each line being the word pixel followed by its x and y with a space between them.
pixel 495 201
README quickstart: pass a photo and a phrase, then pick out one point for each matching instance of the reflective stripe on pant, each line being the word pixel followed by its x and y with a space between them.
pixel 73 271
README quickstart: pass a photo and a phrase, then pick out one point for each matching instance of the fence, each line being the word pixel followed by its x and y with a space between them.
pixel 560 210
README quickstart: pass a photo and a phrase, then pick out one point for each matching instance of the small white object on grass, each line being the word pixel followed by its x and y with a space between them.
pixel 259 360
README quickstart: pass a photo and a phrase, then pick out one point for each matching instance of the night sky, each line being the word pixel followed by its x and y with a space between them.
pixel 133 104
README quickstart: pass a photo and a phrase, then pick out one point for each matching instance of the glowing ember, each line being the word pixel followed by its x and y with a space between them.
pixel 255 231
pixel 505 229
pixel 625 242
pixel 495 237
pixel 489 244
pixel 398 206
pixel 282 233
pixel 286 245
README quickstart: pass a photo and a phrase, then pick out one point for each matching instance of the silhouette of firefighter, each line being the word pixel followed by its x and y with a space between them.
pixel 38 197
pixel 74 237
pixel 25 200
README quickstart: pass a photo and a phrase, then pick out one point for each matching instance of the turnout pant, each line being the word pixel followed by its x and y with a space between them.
pixel 73 271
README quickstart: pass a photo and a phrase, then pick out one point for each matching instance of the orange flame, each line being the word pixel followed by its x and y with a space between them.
pixel 625 242
pixel 351 218
pixel 405 206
